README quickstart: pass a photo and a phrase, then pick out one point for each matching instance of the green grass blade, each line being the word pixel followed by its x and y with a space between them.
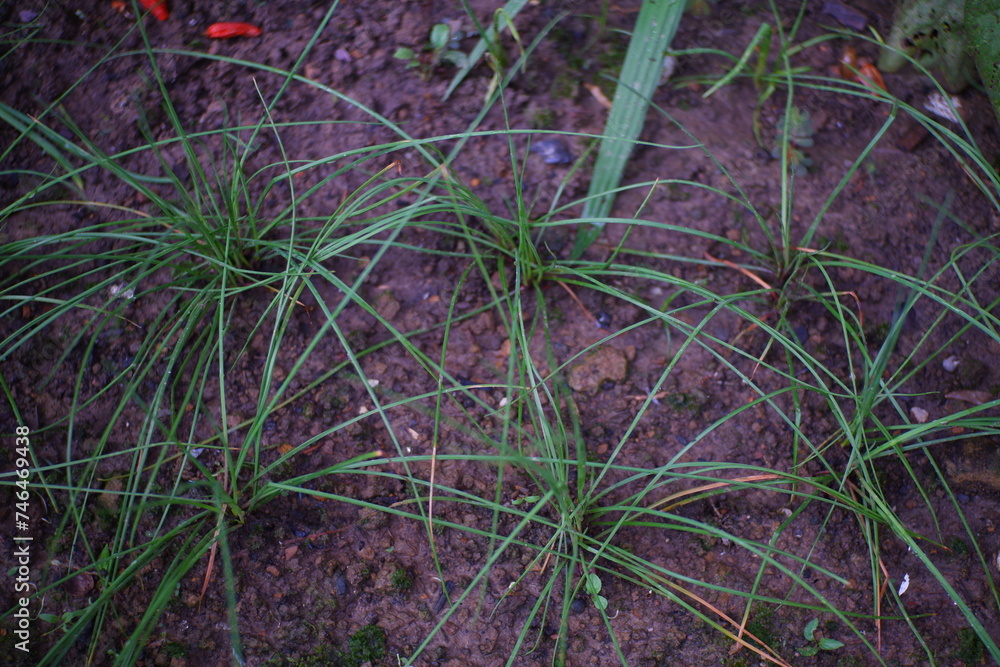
pixel 46 139
pixel 763 36
pixel 654 30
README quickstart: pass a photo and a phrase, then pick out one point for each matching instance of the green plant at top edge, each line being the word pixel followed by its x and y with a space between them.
pixel 654 30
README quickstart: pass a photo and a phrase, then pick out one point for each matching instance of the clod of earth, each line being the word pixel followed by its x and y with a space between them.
pixel 598 367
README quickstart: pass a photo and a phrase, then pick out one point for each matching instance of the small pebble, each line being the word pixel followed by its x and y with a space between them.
pixel 577 606
pixel 553 151
pixel 845 15
pixel 950 364
pixel 340 583
pixel 669 69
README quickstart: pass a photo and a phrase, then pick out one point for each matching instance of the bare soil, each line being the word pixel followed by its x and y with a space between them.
pixel 311 573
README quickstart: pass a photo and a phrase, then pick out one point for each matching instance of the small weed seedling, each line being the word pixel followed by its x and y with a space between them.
pixel 593 586
pixel 440 48
pixel 820 644
pixel 800 131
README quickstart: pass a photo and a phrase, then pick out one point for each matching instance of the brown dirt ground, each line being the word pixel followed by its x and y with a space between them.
pixel 311 573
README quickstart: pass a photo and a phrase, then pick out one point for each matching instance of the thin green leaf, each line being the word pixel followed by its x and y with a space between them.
pixel 763 35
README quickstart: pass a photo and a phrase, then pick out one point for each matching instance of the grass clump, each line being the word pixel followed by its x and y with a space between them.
pixel 237 257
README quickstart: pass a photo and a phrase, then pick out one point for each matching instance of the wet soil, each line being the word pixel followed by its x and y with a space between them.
pixel 312 572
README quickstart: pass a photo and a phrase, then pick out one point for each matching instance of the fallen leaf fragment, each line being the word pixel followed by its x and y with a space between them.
pixel 904 585
pixel 970 396
pixel 859 70
pixel 870 77
pixel 230 29
pixel 157 8
pixel 599 95
pixel 947 108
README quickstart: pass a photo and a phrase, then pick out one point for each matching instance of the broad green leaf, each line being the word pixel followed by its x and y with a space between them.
pixel 654 30
pixel 933 33
pixel 456 58
pixel 593 584
pixel 810 629
pixel 440 34
pixel 982 23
